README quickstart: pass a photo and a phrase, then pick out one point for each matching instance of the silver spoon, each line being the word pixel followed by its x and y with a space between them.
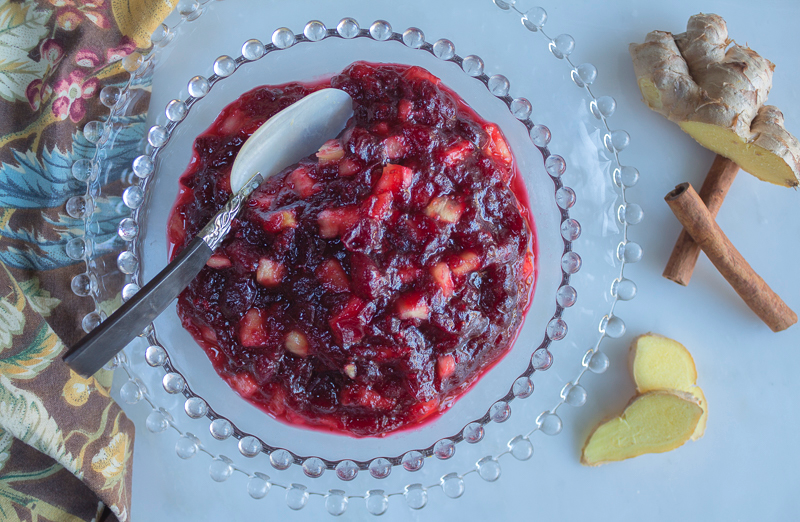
pixel 287 137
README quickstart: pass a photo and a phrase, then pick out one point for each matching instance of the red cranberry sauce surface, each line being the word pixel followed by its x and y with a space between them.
pixel 363 289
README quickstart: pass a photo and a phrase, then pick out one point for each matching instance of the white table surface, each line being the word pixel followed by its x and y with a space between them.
pixel 747 466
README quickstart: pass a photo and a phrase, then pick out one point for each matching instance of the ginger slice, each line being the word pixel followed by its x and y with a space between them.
pixel 716 94
pixel 660 363
pixel 654 422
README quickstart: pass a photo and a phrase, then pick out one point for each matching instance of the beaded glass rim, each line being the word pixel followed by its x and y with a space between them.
pixel 221 427
pixel 416 494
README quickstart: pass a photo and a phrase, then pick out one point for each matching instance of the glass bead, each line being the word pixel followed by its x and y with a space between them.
pixel 187 7
pixel 220 469
pixel 258 486
pixel 280 459
pixel 505 5
pixel 198 87
pixel 91 321
pixel 629 252
pixel 597 362
pixel 253 50
pixel 380 468
pixel 347 28
pixel 452 485
pixel 186 447
pixel 315 31
pixel 176 110
pixel 313 467
pixel 132 62
pixel 556 329
pixel 630 213
pixel 380 30
pixel 346 470
pixel 562 46
pixel 623 289
pixel 587 73
pixel 77 206
pixel 540 135
pixel 570 229
pixel 224 66
pixel 296 496
pixel 130 392
pixel 488 469
pixel 376 502
pixel 498 85
pixel 534 19
pixel 628 176
pixel 155 355
pixel 555 165
pixel 143 166
pixel 413 461
pixel 109 95
pixel 549 423
pixel 603 107
pixel 336 502
pixel 619 140
pixel 113 363
pixel 75 248
pixel 413 38
pixel 133 197
pixel 128 229
pixel 521 108
pixel 127 262
pixel 195 407
pixel 565 198
pixel 157 136
pixel 520 447
pixel 614 327
pixel 82 169
pixel 444 449
pixel 220 429
pixel 249 446
pixel 522 388
pixel 473 433
pixel 416 496
pixel 156 422
pixel 500 411
pixel 571 262
pixel 159 34
pixel 283 38
pixel 541 359
pixel 129 290
pixel 173 383
pixel 566 296
pixel 574 395
pixel 472 65
pixel 444 49
pixel 81 285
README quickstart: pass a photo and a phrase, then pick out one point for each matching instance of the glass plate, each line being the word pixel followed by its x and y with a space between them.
pixel 483 416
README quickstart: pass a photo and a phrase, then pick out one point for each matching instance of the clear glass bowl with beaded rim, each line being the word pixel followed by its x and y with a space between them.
pixel 489 402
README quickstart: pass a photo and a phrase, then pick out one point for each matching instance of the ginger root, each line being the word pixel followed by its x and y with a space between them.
pixel 660 363
pixel 717 96
pixel 655 422
pixel 668 410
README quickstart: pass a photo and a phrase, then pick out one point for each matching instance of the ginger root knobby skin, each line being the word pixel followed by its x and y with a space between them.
pixel 716 92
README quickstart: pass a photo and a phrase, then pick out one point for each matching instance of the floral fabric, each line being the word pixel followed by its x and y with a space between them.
pixel 65 445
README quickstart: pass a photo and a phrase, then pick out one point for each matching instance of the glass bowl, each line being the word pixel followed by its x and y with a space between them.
pixel 184 379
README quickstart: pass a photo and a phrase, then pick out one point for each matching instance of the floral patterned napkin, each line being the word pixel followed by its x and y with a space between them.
pixel 65 445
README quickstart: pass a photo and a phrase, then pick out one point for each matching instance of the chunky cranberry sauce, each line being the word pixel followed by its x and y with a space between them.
pixel 363 289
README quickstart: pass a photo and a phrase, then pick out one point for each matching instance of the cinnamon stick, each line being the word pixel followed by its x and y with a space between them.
pixel 700 224
pixel 686 251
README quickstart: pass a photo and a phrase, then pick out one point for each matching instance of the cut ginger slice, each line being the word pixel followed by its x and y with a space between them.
pixel 660 363
pixel 655 422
